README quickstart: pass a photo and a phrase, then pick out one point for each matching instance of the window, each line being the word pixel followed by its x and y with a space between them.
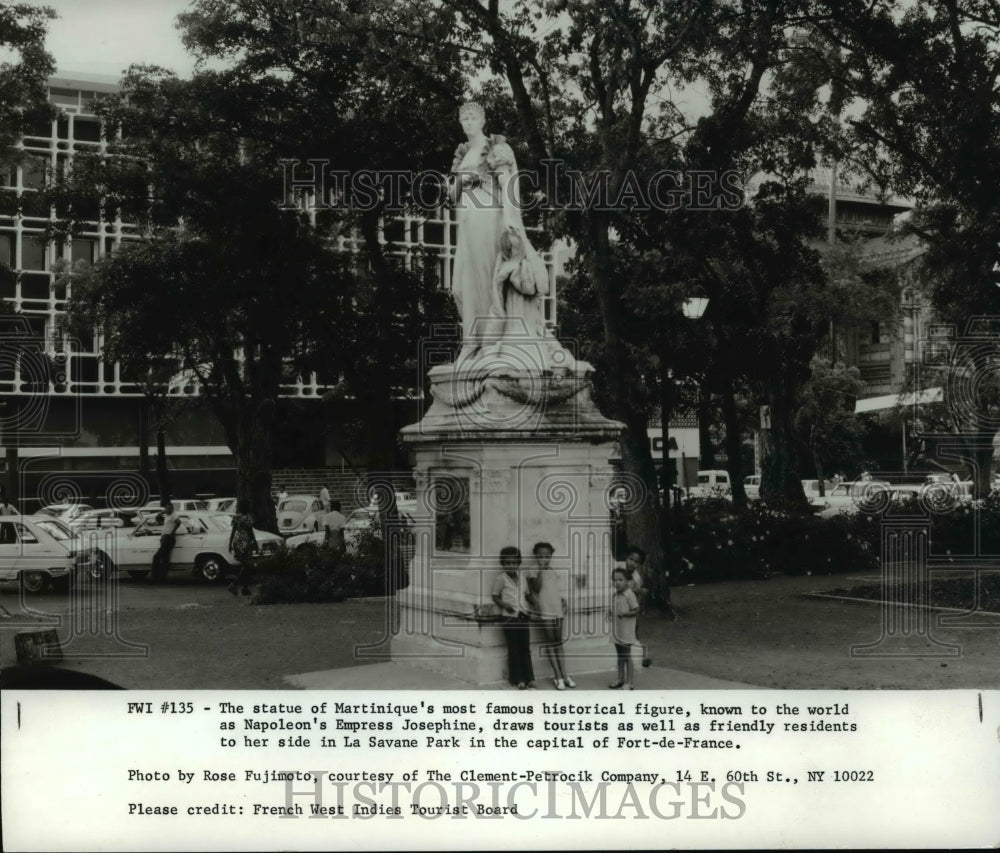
pixel 33 172
pixel 32 253
pixel 86 130
pixel 26 536
pixel 7 534
pixel 880 332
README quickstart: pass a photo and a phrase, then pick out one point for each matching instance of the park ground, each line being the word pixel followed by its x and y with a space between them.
pixel 766 633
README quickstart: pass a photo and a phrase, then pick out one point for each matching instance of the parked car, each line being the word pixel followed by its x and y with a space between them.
pixel 358 521
pixel 812 490
pixel 221 505
pixel 202 545
pixel 713 484
pixel 154 508
pixel 299 514
pixel 937 495
pixel 367 519
pixel 851 497
pixel 39 550
pixel 751 485
pixel 100 518
pixel 65 511
pixel 90 556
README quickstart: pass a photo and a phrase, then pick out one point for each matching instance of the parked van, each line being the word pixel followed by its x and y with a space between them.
pixel 714 484
pixel 751 485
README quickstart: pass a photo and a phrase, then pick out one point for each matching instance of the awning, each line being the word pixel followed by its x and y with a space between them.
pixel 891 401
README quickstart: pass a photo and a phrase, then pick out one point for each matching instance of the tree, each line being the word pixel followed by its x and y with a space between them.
pixel 24 97
pixel 926 77
pixel 226 312
pixel 596 93
pixel 279 299
pixel 826 420
pixel 370 88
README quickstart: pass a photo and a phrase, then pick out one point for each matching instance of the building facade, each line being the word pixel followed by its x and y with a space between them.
pixel 94 419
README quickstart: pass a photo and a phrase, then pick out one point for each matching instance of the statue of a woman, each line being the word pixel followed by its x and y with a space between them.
pixel 498 279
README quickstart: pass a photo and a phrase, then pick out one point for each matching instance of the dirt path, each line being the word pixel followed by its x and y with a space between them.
pixel 757 632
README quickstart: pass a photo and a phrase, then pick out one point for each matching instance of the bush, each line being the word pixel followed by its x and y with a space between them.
pixel 713 543
pixel 319 574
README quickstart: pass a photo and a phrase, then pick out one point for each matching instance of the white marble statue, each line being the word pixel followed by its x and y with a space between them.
pixel 498 279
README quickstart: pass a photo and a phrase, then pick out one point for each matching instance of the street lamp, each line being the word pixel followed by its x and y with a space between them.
pixel 694 307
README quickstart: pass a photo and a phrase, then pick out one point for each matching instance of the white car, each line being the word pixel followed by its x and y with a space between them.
pixel 221 505
pixel 202 545
pixel 300 514
pixel 751 486
pixel 357 522
pixel 366 518
pixel 96 519
pixel 154 508
pixel 852 497
pixel 65 512
pixel 816 501
pixel 38 550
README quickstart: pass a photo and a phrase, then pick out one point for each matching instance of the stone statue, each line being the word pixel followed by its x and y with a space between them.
pixel 498 279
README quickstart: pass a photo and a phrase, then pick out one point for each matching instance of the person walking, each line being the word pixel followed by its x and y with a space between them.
pixel 243 546
pixel 509 596
pixel 7 508
pixel 168 538
pixel 324 498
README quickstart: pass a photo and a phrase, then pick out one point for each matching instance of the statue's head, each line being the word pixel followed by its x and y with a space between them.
pixel 472 116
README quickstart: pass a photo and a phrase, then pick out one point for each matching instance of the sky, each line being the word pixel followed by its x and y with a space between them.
pixel 106 36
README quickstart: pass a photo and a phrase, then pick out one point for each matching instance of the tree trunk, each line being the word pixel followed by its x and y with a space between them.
pixel 645 527
pixel 817 461
pixel 780 480
pixel 144 437
pixel 377 391
pixel 668 477
pixel 162 474
pixel 706 450
pixel 734 447
pixel 253 463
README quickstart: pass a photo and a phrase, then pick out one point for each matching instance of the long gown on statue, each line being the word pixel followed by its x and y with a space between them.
pixel 498 279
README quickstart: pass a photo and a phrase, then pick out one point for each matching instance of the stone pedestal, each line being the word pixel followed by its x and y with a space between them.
pixel 511 452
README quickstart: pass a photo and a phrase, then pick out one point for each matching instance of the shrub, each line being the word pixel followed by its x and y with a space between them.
pixel 319 574
pixel 712 543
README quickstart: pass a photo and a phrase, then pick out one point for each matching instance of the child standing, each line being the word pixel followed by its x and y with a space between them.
pixel 547 588
pixel 622 613
pixel 635 567
pixel 509 596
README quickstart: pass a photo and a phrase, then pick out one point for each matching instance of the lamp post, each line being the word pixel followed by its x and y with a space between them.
pixel 693 308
